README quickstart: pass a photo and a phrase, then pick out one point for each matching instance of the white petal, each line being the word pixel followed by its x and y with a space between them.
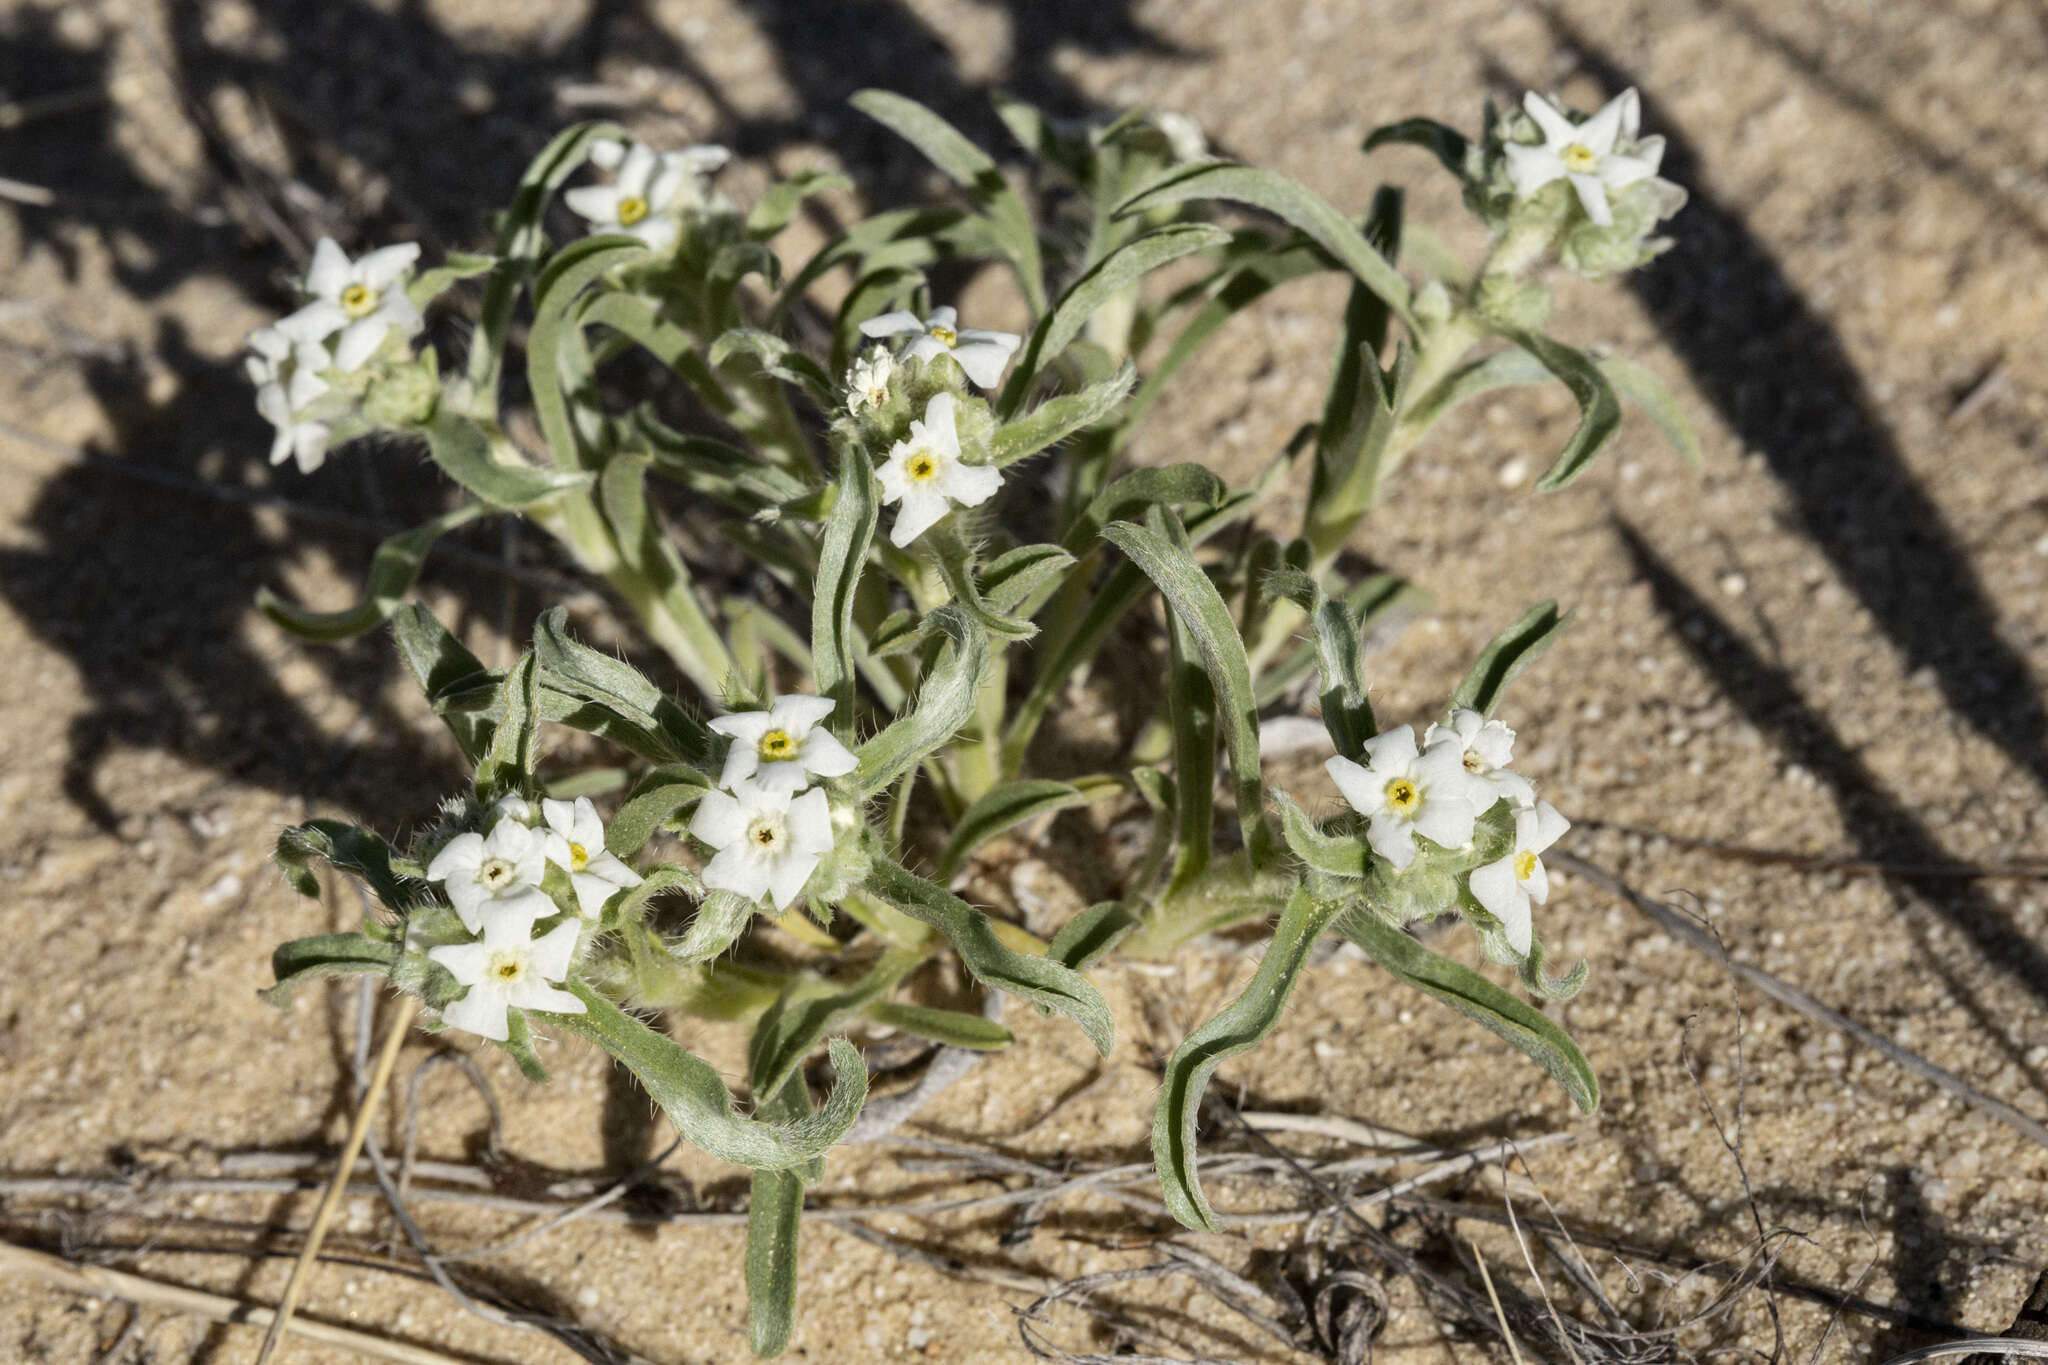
pixel 947 317
pixel 1537 885
pixel 810 822
pixel 1558 130
pixel 1631 113
pixel 786 879
pixel 1366 794
pixel 1545 829
pixel 463 853
pixel 1007 342
pixel 304 388
pixel 668 185
pixel 359 341
pixel 1392 839
pixel 464 961
pixel 386 264
pixel 970 485
pixel 1515 923
pixel 701 159
pixel 537 995
pixel 891 324
pixel 742 761
pixel 926 347
pixel 1598 133
pixel 784 777
pixel 1531 168
pixel 588 829
pixel 1617 171
pixel 597 203
pixel 745 725
pixel 1446 821
pixel 309 445
pixel 397 310
pixel 637 170
pixel 481 1012
pixel 1649 151
pixel 281 444
pixel 1441 766
pixel 607 867
pixel 1517 790
pixel 923 508
pixel 329 273
pixel 1593 195
pixel 561 818
pixel 939 428
pixel 1390 750
pixel 737 871
pixel 659 234
pixel 555 950
pixel 798 712
pixel 824 755
pixel 606 153
pixel 314 323
pixel 890 475
pixel 719 820
pixel 510 917
pixel 1493 742
pixel 984 363
pixel 1494 885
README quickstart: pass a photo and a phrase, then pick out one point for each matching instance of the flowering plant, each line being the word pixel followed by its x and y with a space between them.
pixel 863 710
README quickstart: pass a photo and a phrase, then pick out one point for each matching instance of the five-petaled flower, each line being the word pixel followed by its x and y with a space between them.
pixel 867 383
pixel 1406 793
pixel 780 749
pixel 1506 887
pixel 981 354
pixel 925 474
pixel 1584 153
pixel 284 362
pixel 494 879
pixel 574 842
pixel 767 843
pixel 650 192
pixel 361 301
pixel 1486 747
pixel 509 968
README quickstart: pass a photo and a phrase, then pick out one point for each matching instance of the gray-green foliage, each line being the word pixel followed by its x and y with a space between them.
pixel 942 658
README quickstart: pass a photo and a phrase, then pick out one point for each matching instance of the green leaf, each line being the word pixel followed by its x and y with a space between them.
pixel 394 568
pixel 1089 936
pixel 1120 270
pixel 456 267
pixel 1506 655
pixel 443 669
pixel 808 1009
pixel 1599 409
pixel 1450 145
pixel 776 357
pixel 774 1217
pixel 944 702
pixel 1644 389
pixel 1058 418
pixel 508 766
pixel 463 452
pixel 557 300
pixel 1295 204
pixel 579 671
pixel 659 881
pixel 1191 712
pixel 1240 1027
pixel 842 554
pixel 689 1091
pixel 1173 485
pixel 1479 1000
pixel 1358 411
pixel 1015 576
pixel 1037 979
pixel 1003 808
pixel 955 564
pixel 895 237
pixel 673 787
pixel 1168 561
pixel 1502 369
pixel 778 204
pixel 953 1028
pixel 1347 713
pixel 350 849
pixel 970 168
pixel 301 960
pixel 1334 854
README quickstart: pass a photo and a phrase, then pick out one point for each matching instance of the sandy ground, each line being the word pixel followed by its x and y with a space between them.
pixel 1829 640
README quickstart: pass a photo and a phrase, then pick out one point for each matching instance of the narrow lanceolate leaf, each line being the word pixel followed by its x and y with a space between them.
pixel 808 1009
pixel 1292 202
pixel 1333 854
pixel 556 299
pixel 463 452
pixel 1089 936
pixel 777 357
pixel 1120 270
pixel 970 168
pixel 953 1028
pixel 578 671
pixel 1132 494
pixel 1037 979
pixel 1239 1028
pixel 689 1091
pixel 1449 145
pixel 1479 1000
pixel 444 669
pixel 455 267
pixel 944 702
pixel 1599 409
pixel 1507 654
pixel 774 1217
pixel 350 849
pixel 956 566
pixel 671 788
pixel 1202 613
pixel 1191 710
pixel 778 204
pixel 1347 713
pixel 1016 576
pixel 841 555
pixel 303 959
pixel 1002 808
pixel 508 766
pixel 394 568
pixel 1058 418
pixel 1644 389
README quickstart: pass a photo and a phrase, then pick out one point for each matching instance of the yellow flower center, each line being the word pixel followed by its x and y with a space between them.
pixel 777 746
pixel 579 857
pixel 506 968
pixel 631 210
pixel 1403 796
pixel 359 300
pixel 1578 158
pixel 945 336
pixel 1474 763
pixel 1525 865
pixel 496 873
pixel 921 467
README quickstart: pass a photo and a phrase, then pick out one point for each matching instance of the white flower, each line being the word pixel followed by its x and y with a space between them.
pixel 924 473
pixel 574 842
pixel 867 383
pixel 780 748
pixel 768 844
pixel 1506 887
pixel 981 354
pixel 1487 746
pixel 284 362
pixel 513 806
pixel 650 192
pixel 495 878
pixel 1182 134
pixel 362 300
pixel 509 968
pixel 1407 794
pixel 1585 153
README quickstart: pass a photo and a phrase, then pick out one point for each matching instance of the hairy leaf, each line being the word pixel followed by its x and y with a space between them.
pixel 1506 655
pixel 394 568
pixel 1599 409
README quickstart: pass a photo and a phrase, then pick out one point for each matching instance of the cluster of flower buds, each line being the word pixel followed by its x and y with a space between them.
pixel 768 827
pixel 653 194
pixel 496 883
pixel 313 369
pixel 1450 821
